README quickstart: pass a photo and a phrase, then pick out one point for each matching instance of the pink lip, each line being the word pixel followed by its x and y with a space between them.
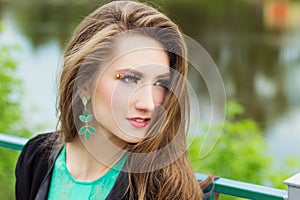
pixel 139 124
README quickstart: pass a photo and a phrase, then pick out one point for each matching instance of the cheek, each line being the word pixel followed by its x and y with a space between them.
pixel 159 95
pixel 104 99
pixel 110 97
pixel 103 94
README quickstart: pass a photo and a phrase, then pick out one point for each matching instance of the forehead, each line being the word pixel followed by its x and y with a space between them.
pixel 138 52
pixel 128 43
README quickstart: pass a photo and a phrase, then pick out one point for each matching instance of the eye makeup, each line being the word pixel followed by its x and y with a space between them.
pixel 133 77
pixel 165 83
pixel 119 76
pixel 128 77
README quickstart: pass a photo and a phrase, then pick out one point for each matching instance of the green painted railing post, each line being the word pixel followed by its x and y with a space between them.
pixel 212 196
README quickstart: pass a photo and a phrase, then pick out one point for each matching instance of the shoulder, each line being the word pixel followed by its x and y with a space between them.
pixel 33 163
pixel 39 145
pixel 40 139
pixel 37 150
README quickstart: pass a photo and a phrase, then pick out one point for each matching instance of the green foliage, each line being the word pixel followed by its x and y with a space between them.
pixel 239 152
pixel 288 168
pixel 11 119
pixel 1 26
pixel 9 106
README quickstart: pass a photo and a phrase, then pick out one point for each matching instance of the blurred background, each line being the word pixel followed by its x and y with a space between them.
pixel 254 43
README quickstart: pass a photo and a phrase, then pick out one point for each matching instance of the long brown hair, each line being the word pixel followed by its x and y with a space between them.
pixel 92 44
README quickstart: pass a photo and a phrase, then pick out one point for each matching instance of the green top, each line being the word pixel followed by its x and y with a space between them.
pixel 64 186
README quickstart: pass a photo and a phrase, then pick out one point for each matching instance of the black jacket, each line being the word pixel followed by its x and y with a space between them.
pixel 35 165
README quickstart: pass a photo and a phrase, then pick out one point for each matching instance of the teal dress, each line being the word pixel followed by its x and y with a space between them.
pixel 64 186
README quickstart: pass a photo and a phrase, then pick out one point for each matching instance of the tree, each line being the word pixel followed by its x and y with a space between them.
pixel 239 152
pixel 11 118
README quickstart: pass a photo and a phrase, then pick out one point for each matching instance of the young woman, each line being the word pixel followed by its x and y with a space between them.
pixel 123 106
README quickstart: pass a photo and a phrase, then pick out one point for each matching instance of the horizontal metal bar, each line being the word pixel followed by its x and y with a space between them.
pixel 221 185
pixel 12 142
pixel 245 190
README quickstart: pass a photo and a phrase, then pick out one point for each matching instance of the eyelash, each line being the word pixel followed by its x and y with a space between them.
pixel 130 79
pixel 162 83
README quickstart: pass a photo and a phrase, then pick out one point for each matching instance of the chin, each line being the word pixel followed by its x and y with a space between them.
pixel 131 139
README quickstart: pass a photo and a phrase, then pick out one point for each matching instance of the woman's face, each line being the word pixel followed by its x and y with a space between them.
pixel 130 88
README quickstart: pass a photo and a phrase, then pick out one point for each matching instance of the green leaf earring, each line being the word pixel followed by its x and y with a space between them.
pixel 86 118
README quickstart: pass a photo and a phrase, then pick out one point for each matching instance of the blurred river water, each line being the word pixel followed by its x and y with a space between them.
pixel 255 45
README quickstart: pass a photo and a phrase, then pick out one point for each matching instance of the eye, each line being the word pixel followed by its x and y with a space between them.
pixel 163 83
pixel 127 78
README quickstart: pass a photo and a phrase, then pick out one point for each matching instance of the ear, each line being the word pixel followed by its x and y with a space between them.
pixel 85 93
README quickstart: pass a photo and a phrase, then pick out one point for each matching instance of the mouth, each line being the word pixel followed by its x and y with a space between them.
pixel 139 122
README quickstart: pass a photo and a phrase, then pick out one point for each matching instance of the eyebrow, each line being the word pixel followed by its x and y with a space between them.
pixel 140 74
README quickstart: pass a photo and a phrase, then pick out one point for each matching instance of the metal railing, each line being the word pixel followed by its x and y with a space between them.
pixel 12 142
pixel 244 190
pixel 220 185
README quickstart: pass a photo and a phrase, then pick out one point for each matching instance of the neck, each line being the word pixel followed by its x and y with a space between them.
pixel 84 166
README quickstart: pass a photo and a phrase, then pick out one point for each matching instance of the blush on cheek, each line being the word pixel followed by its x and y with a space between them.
pixel 104 93
pixel 159 96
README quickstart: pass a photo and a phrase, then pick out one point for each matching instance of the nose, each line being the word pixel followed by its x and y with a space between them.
pixel 144 98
